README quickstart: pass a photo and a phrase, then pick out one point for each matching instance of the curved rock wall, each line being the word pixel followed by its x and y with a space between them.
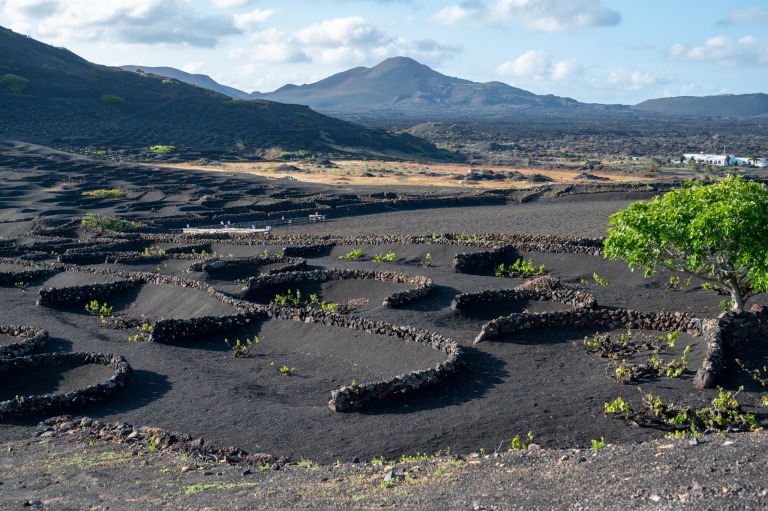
pixel 30 339
pixel 541 288
pixel 35 404
pixel 423 285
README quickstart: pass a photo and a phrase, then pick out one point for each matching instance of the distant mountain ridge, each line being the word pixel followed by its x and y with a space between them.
pixel 401 83
pixel 49 95
pixel 402 87
pixel 724 105
pixel 200 80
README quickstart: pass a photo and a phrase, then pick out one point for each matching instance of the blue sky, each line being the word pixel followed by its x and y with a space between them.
pixel 603 51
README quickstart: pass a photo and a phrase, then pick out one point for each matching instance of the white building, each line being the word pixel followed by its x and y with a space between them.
pixel 724 160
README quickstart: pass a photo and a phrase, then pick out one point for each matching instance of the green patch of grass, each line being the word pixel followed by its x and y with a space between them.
pixel 94 221
pixel 105 193
pixel 111 99
pixel 162 149
pixel 194 489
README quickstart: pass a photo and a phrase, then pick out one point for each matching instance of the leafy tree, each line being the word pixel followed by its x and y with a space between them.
pixel 718 232
pixel 13 83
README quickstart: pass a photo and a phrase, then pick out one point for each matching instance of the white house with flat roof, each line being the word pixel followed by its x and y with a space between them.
pixel 724 160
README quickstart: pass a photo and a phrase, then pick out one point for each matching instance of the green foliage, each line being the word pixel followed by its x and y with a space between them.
pixel 723 414
pixel 94 221
pixel 384 258
pixel 718 232
pixel 162 149
pixel 112 100
pixel 153 251
pixel 520 268
pixel 517 443
pixel 352 255
pixel 287 371
pixel 598 444
pixel 103 193
pixel 287 299
pixel 144 333
pixel 242 349
pixel 94 308
pixel 13 84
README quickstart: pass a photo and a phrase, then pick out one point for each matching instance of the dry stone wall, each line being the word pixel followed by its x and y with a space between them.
pixel 541 288
pixel 423 285
pixel 615 318
pixel 30 339
pixel 43 403
pixel 351 397
pixel 83 294
pixel 216 263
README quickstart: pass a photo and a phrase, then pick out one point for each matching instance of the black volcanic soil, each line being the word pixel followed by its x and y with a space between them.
pixel 541 381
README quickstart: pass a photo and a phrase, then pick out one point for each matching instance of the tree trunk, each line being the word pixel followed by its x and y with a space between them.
pixel 736 297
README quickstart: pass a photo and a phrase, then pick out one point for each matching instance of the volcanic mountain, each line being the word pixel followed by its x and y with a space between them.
pixel 51 96
pixel 402 84
pixel 724 105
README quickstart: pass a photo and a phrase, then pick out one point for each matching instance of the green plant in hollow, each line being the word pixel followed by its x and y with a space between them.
pixel 384 258
pixel 112 193
pixel 287 299
pixel 242 349
pixel 153 251
pixel 717 232
pixel 94 221
pixel 599 281
pixel 287 371
pixel 723 414
pixel 520 268
pixel 162 149
pixel 598 444
pixel 352 255
pixel 21 285
pixel 144 333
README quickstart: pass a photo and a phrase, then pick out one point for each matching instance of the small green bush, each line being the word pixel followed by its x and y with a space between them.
pixel 112 193
pixel 164 149
pixel 112 100
pixel 13 83
pixel 94 221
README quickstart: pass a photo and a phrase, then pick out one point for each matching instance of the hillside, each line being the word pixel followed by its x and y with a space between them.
pixel 725 105
pixel 50 95
pixel 199 80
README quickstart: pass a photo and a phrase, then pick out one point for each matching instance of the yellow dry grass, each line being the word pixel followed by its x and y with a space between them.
pixel 384 173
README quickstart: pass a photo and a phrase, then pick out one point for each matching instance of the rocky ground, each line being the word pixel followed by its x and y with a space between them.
pixel 543 382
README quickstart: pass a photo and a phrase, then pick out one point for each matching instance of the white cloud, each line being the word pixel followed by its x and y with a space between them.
pixel 549 16
pixel 341 31
pixel 472 13
pixel 228 4
pixel 270 46
pixel 339 42
pixel 745 17
pixel 539 65
pixel 747 51
pixel 170 22
pixel 250 20
pixel 193 67
pixel 634 79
